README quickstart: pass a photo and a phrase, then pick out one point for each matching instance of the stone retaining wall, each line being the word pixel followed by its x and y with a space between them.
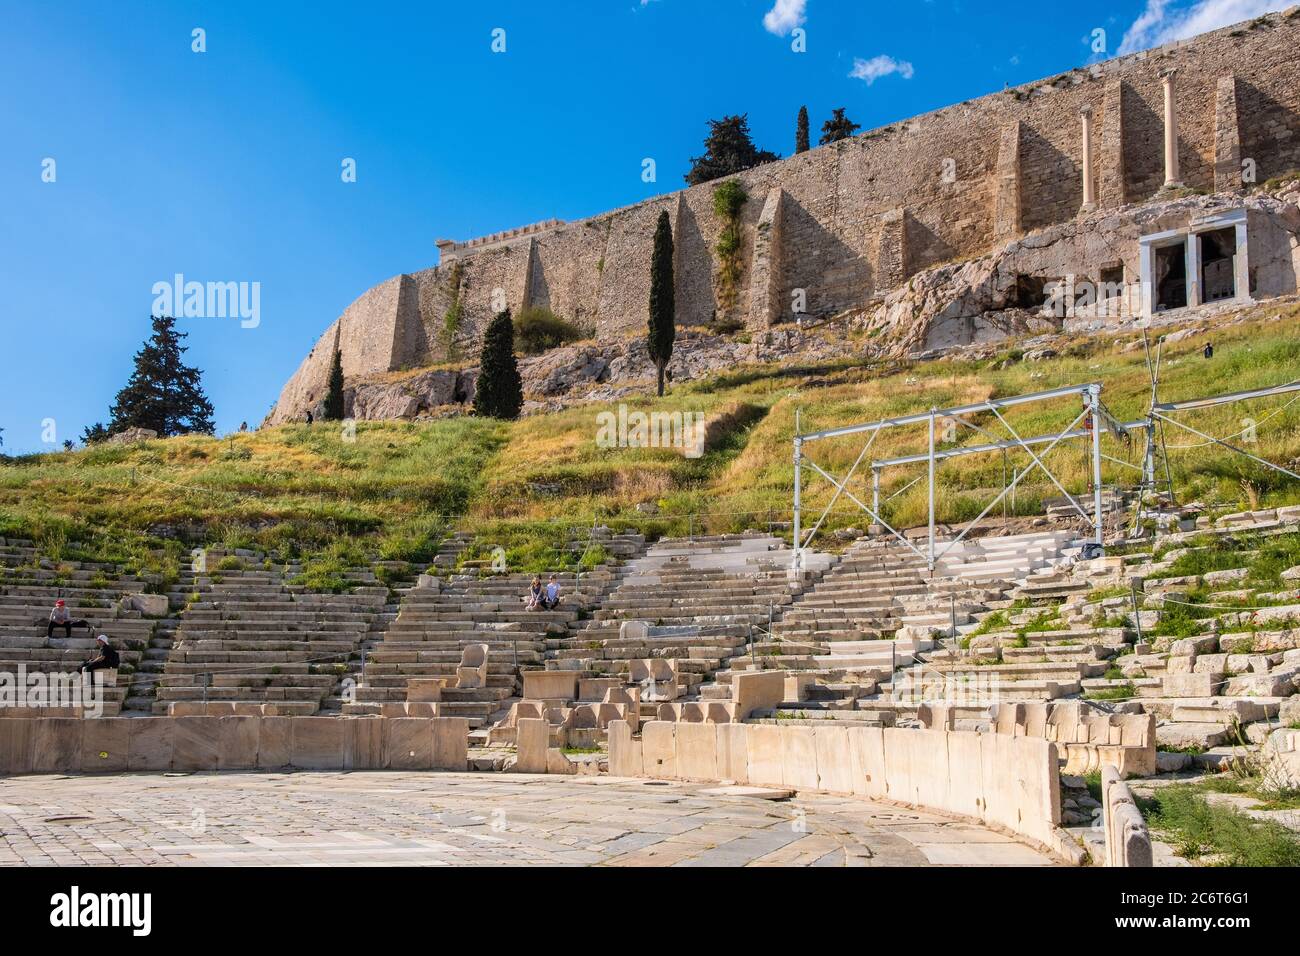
pixel 1128 843
pixel 1009 783
pixel 850 222
pixel 118 744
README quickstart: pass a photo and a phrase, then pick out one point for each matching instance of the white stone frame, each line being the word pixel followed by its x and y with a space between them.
pixel 1236 220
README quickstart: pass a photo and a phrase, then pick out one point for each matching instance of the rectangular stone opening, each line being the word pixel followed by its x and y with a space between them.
pixel 1032 292
pixel 1171 277
pixel 1112 281
pixel 1218 265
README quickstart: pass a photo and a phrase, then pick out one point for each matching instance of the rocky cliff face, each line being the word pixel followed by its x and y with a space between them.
pixel 981 300
pixel 876 218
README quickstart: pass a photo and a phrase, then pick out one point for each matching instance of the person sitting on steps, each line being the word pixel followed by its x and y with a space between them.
pixel 552 598
pixel 536 595
pixel 62 617
pixel 106 658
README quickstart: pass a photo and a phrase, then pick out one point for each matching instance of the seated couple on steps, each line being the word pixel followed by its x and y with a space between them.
pixel 542 598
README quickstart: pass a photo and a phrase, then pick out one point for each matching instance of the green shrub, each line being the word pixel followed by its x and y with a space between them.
pixel 1197 827
pixel 538 329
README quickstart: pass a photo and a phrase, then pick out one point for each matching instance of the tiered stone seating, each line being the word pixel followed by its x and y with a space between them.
pixel 702 601
pixel 29 586
pixel 436 624
pixel 259 639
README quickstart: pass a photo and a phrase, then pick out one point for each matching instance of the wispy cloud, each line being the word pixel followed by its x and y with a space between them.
pixel 1164 21
pixel 878 66
pixel 785 15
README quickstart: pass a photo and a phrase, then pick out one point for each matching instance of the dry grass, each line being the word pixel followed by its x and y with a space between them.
pixel 300 488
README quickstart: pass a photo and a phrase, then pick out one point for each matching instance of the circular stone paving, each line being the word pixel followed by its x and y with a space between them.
pixel 470 819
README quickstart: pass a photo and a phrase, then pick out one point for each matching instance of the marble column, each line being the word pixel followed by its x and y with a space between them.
pixel 1089 182
pixel 1172 179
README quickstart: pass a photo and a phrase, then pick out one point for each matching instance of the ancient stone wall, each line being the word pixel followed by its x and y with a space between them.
pixel 858 218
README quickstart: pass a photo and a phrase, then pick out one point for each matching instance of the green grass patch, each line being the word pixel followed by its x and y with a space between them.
pixel 1197 828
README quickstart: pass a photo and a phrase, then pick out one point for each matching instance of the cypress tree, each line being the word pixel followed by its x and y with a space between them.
pixel 662 306
pixel 801 131
pixel 163 394
pixel 334 397
pixel 499 391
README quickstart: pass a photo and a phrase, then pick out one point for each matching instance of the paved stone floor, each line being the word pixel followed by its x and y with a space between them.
pixel 441 819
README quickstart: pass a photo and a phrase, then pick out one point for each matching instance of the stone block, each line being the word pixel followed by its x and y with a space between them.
pixel 1276 684
pixel 149 744
pixel 659 749
pixel 799 758
pixel 1191 646
pixel 764 746
pixel 16 736
pixel 194 743
pixel 558 763
pixel 834 762
pixel 733 755
pixel 797 684
pixel 104 745
pixel 316 743
pixel 425 690
pixel 756 690
pixel 867 756
pixel 550 685
pixel 1191 685
pixel 473 669
pixel 624 751
pixel 450 743
pixel 365 743
pixel 237 738
pixel 1210 664
pixel 274 743
pixel 633 631
pixel 408 744
pixel 965 779
pixel 532 737
pixel 697 751
pixel 150 605
pixel 56 745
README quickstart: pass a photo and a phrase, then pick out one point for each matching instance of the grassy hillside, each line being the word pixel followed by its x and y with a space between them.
pixel 532 485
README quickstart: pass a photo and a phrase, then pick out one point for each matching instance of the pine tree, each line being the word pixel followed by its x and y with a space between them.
pixel 801 131
pixel 499 391
pixel 838 127
pixel 334 397
pixel 163 394
pixel 93 434
pixel 662 306
pixel 728 149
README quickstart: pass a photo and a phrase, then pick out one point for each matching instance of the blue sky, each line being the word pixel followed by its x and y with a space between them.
pixel 225 165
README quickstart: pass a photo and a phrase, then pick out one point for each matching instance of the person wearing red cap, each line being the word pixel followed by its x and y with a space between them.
pixel 62 617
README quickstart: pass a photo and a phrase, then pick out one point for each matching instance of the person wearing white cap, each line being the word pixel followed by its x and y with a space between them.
pixel 106 658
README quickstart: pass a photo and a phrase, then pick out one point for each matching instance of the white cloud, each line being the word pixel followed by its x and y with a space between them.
pixel 878 66
pixel 1163 22
pixel 784 16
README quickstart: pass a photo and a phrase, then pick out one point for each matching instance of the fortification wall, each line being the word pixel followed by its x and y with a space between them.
pixel 856 219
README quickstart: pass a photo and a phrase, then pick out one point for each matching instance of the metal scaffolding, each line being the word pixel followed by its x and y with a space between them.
pixel 1094 417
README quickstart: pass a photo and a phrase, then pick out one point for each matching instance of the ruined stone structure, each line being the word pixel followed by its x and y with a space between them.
pixel 845 226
